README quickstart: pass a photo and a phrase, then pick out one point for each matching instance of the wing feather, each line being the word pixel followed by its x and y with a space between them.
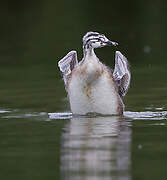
pixel 67 64
pixel 121 73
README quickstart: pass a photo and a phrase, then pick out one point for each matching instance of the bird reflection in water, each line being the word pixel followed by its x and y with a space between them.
pixel 96 148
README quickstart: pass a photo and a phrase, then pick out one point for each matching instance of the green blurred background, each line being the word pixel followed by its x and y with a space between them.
pixel 42 31
pixel 35 35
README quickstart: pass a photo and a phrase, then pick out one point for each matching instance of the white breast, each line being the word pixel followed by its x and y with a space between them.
pixel 91 89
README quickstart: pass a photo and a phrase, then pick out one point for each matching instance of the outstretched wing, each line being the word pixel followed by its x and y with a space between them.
pixel 67 64
pixel 121 73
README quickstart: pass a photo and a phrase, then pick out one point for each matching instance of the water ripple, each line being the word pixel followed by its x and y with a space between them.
pixel 4 111
pixel 146 115
pixel 63 115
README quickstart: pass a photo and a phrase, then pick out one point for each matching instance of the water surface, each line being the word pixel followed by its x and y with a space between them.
pixel 41 145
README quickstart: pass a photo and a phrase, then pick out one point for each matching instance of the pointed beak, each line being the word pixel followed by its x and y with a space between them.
pixel 111 43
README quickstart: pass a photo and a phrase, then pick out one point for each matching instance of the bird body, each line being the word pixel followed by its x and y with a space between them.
pixel 90 85
pixel 96 90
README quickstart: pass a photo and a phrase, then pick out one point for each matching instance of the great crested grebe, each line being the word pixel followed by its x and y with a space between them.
pixel 92 87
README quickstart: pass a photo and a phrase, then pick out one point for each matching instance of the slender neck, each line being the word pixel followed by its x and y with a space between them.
pixel 88 52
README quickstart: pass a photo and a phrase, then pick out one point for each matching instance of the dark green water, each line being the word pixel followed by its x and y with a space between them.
pixel 34 36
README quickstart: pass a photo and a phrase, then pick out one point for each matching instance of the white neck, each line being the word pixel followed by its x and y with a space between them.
pixel 89 53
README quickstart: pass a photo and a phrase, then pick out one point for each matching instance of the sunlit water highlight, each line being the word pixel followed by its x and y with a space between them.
pixel 145 115
pixel 18 114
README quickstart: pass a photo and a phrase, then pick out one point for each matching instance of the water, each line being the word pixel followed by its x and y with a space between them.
pixel 41 145
pixel 39 137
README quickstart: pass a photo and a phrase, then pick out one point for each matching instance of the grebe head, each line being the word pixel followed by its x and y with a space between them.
pixel 93 40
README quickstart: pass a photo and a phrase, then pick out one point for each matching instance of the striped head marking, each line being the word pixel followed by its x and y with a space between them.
pixel 93 40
